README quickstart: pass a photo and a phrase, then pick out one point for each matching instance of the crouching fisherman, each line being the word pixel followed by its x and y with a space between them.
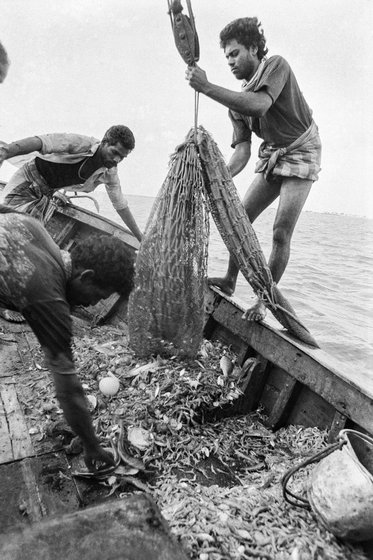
pixel 44 282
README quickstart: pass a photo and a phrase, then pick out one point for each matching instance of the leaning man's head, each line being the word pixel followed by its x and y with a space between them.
pixel 120 133
pixel 117 143
pixel 101 266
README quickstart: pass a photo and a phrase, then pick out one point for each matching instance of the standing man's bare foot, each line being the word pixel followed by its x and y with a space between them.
pixel 255 313
pixel 11 316
pixel 224 284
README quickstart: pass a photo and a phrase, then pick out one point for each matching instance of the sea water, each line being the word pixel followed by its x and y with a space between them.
pixel 328 280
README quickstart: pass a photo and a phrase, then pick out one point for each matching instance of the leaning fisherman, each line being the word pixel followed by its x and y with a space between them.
pixel 272 106
pixel 43 282
pixel 67 161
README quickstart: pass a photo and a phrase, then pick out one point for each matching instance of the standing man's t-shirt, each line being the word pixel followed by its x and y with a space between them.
pixel 289 115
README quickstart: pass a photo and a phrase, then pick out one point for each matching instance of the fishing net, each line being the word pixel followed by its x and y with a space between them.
pixel 167 304
pixel 240 238
pixel 166 307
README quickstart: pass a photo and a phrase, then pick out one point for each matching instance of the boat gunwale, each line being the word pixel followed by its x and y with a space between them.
pixel 349 394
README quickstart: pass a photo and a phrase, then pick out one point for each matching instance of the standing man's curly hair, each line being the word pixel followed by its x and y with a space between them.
pixel 247 32
pixel 112 262
pixel 120 133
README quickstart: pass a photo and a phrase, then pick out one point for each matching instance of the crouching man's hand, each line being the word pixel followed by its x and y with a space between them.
pixel 71 397
pixel 96 458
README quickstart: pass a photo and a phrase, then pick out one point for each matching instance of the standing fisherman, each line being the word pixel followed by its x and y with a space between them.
pixel 272 106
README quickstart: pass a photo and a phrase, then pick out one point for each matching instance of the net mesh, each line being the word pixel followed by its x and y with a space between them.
pixel 166 307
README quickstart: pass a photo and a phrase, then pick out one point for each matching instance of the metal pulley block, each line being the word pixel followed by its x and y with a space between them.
pixel 184 30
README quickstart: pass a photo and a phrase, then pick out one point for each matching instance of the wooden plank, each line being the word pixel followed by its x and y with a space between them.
pixel 6 450
pixel 348 394
pixel 65 233
pixel 281 407
pixel 17 427
pixel 339 422
pixel 274 384
pixel 35 488
pixel 49 485
pixel 8 356
pixel 309 410
pixel 130 529
pixel 253 385
pixel 31 497
pixel 12 492
pixel 98 222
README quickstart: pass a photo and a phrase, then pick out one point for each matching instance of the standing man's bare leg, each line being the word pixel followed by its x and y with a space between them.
pixel 260 194
pixel 293 195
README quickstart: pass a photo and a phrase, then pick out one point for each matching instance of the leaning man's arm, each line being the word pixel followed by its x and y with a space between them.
pixel 114 190
pixel 20 147
pixel 130 222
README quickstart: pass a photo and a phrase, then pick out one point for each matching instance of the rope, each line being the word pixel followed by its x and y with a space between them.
pixel 196 107
pixel 302 502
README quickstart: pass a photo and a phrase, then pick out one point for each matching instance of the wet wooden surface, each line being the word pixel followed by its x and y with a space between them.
pixel 127 529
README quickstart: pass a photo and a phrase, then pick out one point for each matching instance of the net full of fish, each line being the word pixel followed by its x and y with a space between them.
pixel 166 307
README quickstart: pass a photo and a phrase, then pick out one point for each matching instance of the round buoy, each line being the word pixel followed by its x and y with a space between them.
pixel 109 386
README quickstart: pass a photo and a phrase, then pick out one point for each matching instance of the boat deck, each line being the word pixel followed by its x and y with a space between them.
pixel 46 512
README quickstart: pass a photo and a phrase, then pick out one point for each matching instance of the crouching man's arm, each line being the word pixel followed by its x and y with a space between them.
pixel 51 322
pixel 70 395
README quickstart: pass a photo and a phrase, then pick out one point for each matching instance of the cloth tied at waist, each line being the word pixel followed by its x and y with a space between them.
pixel 305 164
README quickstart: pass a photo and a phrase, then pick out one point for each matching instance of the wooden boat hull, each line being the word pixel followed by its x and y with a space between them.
pixel 293 383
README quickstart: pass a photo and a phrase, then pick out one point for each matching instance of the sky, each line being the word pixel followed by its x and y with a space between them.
pixel 84 65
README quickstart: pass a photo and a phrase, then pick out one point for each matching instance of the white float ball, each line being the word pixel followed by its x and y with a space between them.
pixel 109 386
